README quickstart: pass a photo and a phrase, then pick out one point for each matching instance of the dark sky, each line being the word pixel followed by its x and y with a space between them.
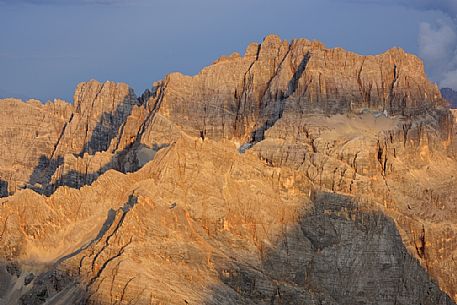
pixel 48 46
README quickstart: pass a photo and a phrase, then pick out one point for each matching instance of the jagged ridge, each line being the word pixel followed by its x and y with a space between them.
pixel 326 205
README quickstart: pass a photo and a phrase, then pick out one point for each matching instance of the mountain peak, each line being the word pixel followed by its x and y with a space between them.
pixel 295 174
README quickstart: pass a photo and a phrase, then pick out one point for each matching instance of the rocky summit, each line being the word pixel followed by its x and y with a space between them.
pixel 292 174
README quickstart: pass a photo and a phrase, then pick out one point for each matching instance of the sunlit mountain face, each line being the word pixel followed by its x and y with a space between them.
pixel 289 173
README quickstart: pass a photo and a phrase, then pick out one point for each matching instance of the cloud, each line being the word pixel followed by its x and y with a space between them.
pixel 438 42
pixel 437 47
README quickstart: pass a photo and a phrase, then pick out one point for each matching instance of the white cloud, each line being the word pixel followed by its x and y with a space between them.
pixel 437 41
pixel 437 47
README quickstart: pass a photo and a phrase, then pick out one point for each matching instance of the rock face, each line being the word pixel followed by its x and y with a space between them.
pixel 39 138
pixel 28 133
pixel 241 97
pixel 294 174
pixel 451 96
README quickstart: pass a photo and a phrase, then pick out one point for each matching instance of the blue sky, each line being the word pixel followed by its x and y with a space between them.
pixel 49 46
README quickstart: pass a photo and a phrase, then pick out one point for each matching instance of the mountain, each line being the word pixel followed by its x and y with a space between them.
pixel 292 174
pixel 451 96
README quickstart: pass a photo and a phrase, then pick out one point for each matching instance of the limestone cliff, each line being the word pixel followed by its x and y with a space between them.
pixel 294 174
pixel 39 138
pixel 243 96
